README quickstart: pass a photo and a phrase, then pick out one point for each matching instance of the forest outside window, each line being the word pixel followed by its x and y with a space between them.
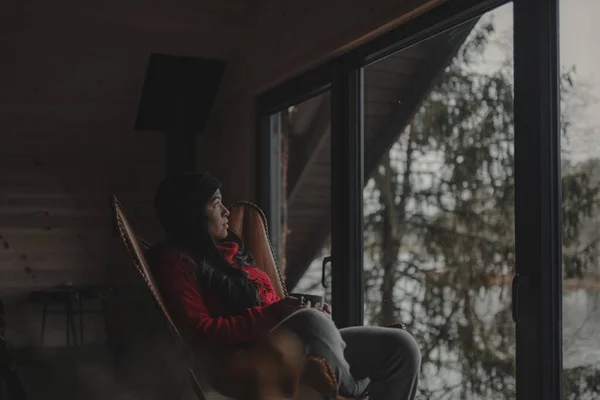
pixel 439 204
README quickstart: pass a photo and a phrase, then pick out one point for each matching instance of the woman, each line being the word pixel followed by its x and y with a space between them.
pixel 214 290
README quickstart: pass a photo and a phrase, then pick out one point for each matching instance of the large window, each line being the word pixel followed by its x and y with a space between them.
pixel 439 204
pixel 580 133
pixel 445 199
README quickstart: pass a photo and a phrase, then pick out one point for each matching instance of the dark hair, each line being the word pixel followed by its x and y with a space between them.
pixel 179 203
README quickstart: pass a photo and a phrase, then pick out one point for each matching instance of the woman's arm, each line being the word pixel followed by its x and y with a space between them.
pixel 189 309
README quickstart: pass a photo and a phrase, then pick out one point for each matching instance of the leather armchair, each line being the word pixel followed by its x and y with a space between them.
pixel 240 370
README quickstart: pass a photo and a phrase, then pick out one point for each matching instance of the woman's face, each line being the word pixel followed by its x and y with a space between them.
pixel 217 214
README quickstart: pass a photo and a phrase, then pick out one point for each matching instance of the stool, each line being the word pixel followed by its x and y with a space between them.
pixel 65 296
pixel 92 292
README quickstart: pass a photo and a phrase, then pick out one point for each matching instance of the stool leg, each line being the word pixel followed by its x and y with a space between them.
pixel 73 327
pixel 80 320
pixel 43 322
pixel 105 319
pixel 71 317
pixel 68 324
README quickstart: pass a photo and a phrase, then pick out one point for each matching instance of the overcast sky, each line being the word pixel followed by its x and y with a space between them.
pixel 580 34
pixel 579 47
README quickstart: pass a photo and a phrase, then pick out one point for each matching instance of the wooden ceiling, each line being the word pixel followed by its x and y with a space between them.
pixel 73 61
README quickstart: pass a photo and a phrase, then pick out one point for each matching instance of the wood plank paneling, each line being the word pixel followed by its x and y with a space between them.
pixel 52 260
pixel 73 181
pixel 71 77
pixel 147 16
pixel 48 278
pixel 145 210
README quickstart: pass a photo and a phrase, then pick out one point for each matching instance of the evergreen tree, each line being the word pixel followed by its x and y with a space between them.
pixel 439 233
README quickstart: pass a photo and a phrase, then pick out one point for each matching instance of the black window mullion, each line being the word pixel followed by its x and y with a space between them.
pixel 346 194
pixel 537 290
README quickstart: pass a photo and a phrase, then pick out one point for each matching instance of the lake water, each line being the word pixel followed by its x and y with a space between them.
pixel 581 325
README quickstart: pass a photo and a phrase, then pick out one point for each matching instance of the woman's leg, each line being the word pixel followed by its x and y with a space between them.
pixel 389 357
pixel 322 338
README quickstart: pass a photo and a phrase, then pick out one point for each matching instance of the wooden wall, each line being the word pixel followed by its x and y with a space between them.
pixel 69 100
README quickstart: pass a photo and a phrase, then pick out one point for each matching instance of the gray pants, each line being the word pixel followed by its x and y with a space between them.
pixel 382 363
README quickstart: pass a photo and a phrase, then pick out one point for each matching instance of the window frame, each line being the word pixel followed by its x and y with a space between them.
pixel 537 287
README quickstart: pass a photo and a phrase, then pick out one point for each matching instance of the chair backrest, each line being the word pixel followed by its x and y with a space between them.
pixel 136 250
pixel 248 222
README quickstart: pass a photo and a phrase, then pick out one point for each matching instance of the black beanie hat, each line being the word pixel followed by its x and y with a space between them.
pixel 180 196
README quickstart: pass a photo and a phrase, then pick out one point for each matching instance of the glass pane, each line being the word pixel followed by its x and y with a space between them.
pixel 438 204
pixel 580 113
pixel 302 137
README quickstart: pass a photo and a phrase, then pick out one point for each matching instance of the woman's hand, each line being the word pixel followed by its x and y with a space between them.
pixel 326 308
pixel 289 305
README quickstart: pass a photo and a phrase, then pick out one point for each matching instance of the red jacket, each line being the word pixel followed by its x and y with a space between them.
pixel 200 311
